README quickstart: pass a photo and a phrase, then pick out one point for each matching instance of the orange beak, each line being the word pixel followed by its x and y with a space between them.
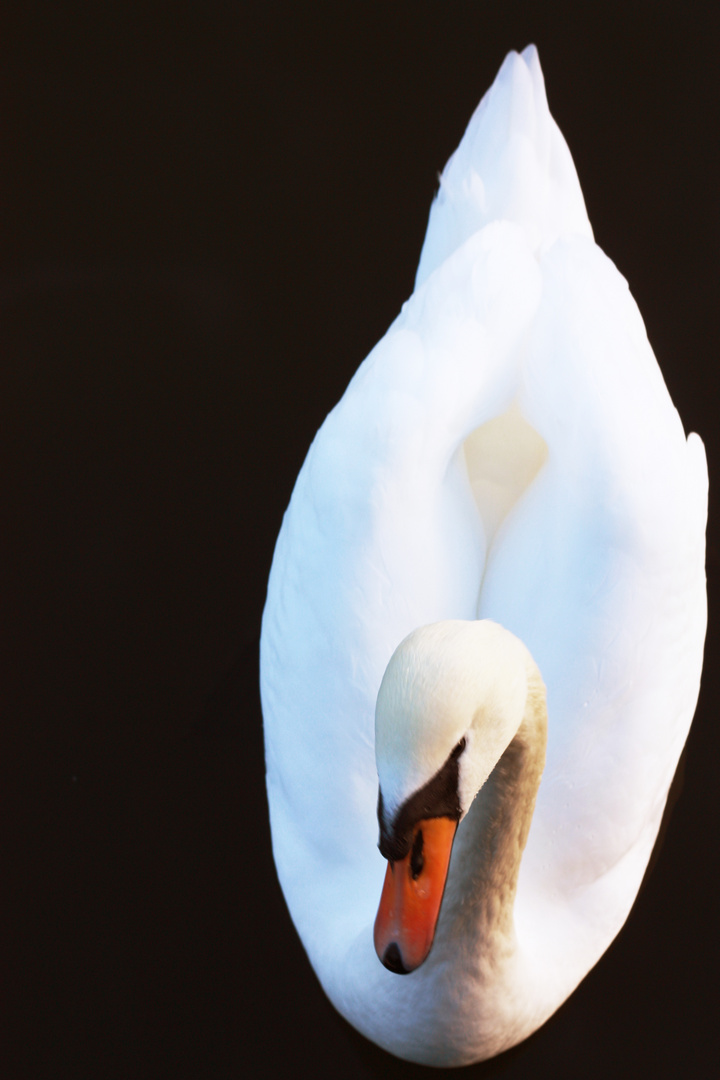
pixel 412 895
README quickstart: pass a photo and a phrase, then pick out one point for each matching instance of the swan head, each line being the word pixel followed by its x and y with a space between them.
pixel 451 700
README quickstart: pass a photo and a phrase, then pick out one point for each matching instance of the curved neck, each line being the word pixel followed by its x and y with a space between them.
pixel 483 875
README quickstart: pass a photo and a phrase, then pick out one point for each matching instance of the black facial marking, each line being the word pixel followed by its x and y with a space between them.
pixel 438 798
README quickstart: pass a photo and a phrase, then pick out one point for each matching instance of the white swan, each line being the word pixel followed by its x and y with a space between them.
pixel 507 452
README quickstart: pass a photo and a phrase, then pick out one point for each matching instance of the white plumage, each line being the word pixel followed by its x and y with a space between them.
pixel 508 451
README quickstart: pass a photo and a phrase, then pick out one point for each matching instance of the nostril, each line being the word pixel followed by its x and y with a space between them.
pixel 393 960
pixel 417 860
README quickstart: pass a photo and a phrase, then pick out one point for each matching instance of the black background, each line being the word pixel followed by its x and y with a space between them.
pixel 208 216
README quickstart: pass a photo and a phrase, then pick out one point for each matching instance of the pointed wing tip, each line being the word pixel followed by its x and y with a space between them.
pixel 529 58
pixel 521 78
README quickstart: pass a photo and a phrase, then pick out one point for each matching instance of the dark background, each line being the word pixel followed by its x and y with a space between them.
pixel 208 216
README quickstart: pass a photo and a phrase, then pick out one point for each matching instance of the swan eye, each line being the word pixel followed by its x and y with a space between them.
pixel 417 862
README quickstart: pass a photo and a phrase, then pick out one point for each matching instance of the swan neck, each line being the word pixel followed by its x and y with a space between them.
pixel 493 835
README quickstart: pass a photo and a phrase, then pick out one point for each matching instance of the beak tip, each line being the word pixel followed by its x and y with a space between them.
pixel 393 961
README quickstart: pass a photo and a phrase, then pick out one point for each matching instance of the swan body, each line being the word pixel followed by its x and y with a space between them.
pixel 506 489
